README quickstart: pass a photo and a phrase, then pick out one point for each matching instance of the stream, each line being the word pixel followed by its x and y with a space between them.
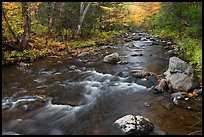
pixel 84 96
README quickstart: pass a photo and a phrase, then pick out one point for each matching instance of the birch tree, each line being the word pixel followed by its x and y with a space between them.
pixel 83 11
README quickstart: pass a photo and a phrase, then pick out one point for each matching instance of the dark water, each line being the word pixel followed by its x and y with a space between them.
pixel 49 97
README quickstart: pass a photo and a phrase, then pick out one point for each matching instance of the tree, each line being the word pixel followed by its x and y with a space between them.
pixel 9 27
pixel 82 14
pixel 26 25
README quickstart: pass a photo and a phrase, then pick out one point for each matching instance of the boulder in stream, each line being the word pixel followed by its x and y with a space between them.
pixel 134 125
pixel 191 100
pixel 179 76
pixel 162 86
pixel 112 58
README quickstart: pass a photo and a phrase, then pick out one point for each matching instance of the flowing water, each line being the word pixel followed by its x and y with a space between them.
pixel 50 97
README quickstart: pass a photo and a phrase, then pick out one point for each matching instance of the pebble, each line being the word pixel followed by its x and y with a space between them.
pixel 147 104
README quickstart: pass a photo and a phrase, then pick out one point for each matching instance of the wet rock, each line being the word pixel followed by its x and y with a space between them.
pixel 122 62
pixel 179 95
pixel 138 50
pixel 141 34
pixel 72 67
pixel 147 37
pixel 10 133
pixel 163 43
pixel 158 131
pixel 167 104
pixel 143 39
pixel 134 125
pixel 123 74
pixel 147 104
pixel 155 43
pixel 166 39
pixel 41 87
pixel 127 39
pixel 176 47
pixel 136 38
pixel 142 74
pixel 179 76
pixel 22 64
pixel 153 39
pixel 148 43
pixel 198 91
pixel 140 54
pixel 169 47
pixel 162 86
pixel 83 54
pixel 189 103
pixel 170 53
pixel 112 58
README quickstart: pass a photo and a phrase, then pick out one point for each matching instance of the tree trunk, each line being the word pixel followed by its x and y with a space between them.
pixel 49 22
pixel 81 17
pixel 61 24
pixel 9 27
pixel 25 16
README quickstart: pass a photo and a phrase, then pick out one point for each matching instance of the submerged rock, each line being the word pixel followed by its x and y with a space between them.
pixel 189 103
pixel 134 125
pixel 167 104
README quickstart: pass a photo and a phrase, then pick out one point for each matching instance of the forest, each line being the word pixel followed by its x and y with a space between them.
pixel 70 59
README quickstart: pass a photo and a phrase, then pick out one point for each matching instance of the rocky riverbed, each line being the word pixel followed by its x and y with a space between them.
pixel 88 92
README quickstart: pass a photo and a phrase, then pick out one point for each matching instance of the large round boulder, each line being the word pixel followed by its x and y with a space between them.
pixel 134 125
pixel 179 76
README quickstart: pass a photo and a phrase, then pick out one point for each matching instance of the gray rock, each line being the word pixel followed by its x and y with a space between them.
pixel 198 91
pixel 83 54
pixel 148 43
pixel 155 42
pixel 134 125
pixel 170 53
pixel 136 38
pixel 167 104
pixel 72 67
pixel 112 58
pixel 179 76
pixel 179 95
pixel 10 133
pixel 142 74
pixel 147 104
pixel 143 39
pixel 127 39
pixel 152 39
pixel 22 64
pixel 162 86
pixel 169 47
pixel 122 62
pixel 189 103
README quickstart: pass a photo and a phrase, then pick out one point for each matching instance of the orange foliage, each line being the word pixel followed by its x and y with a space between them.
pixel 142 10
